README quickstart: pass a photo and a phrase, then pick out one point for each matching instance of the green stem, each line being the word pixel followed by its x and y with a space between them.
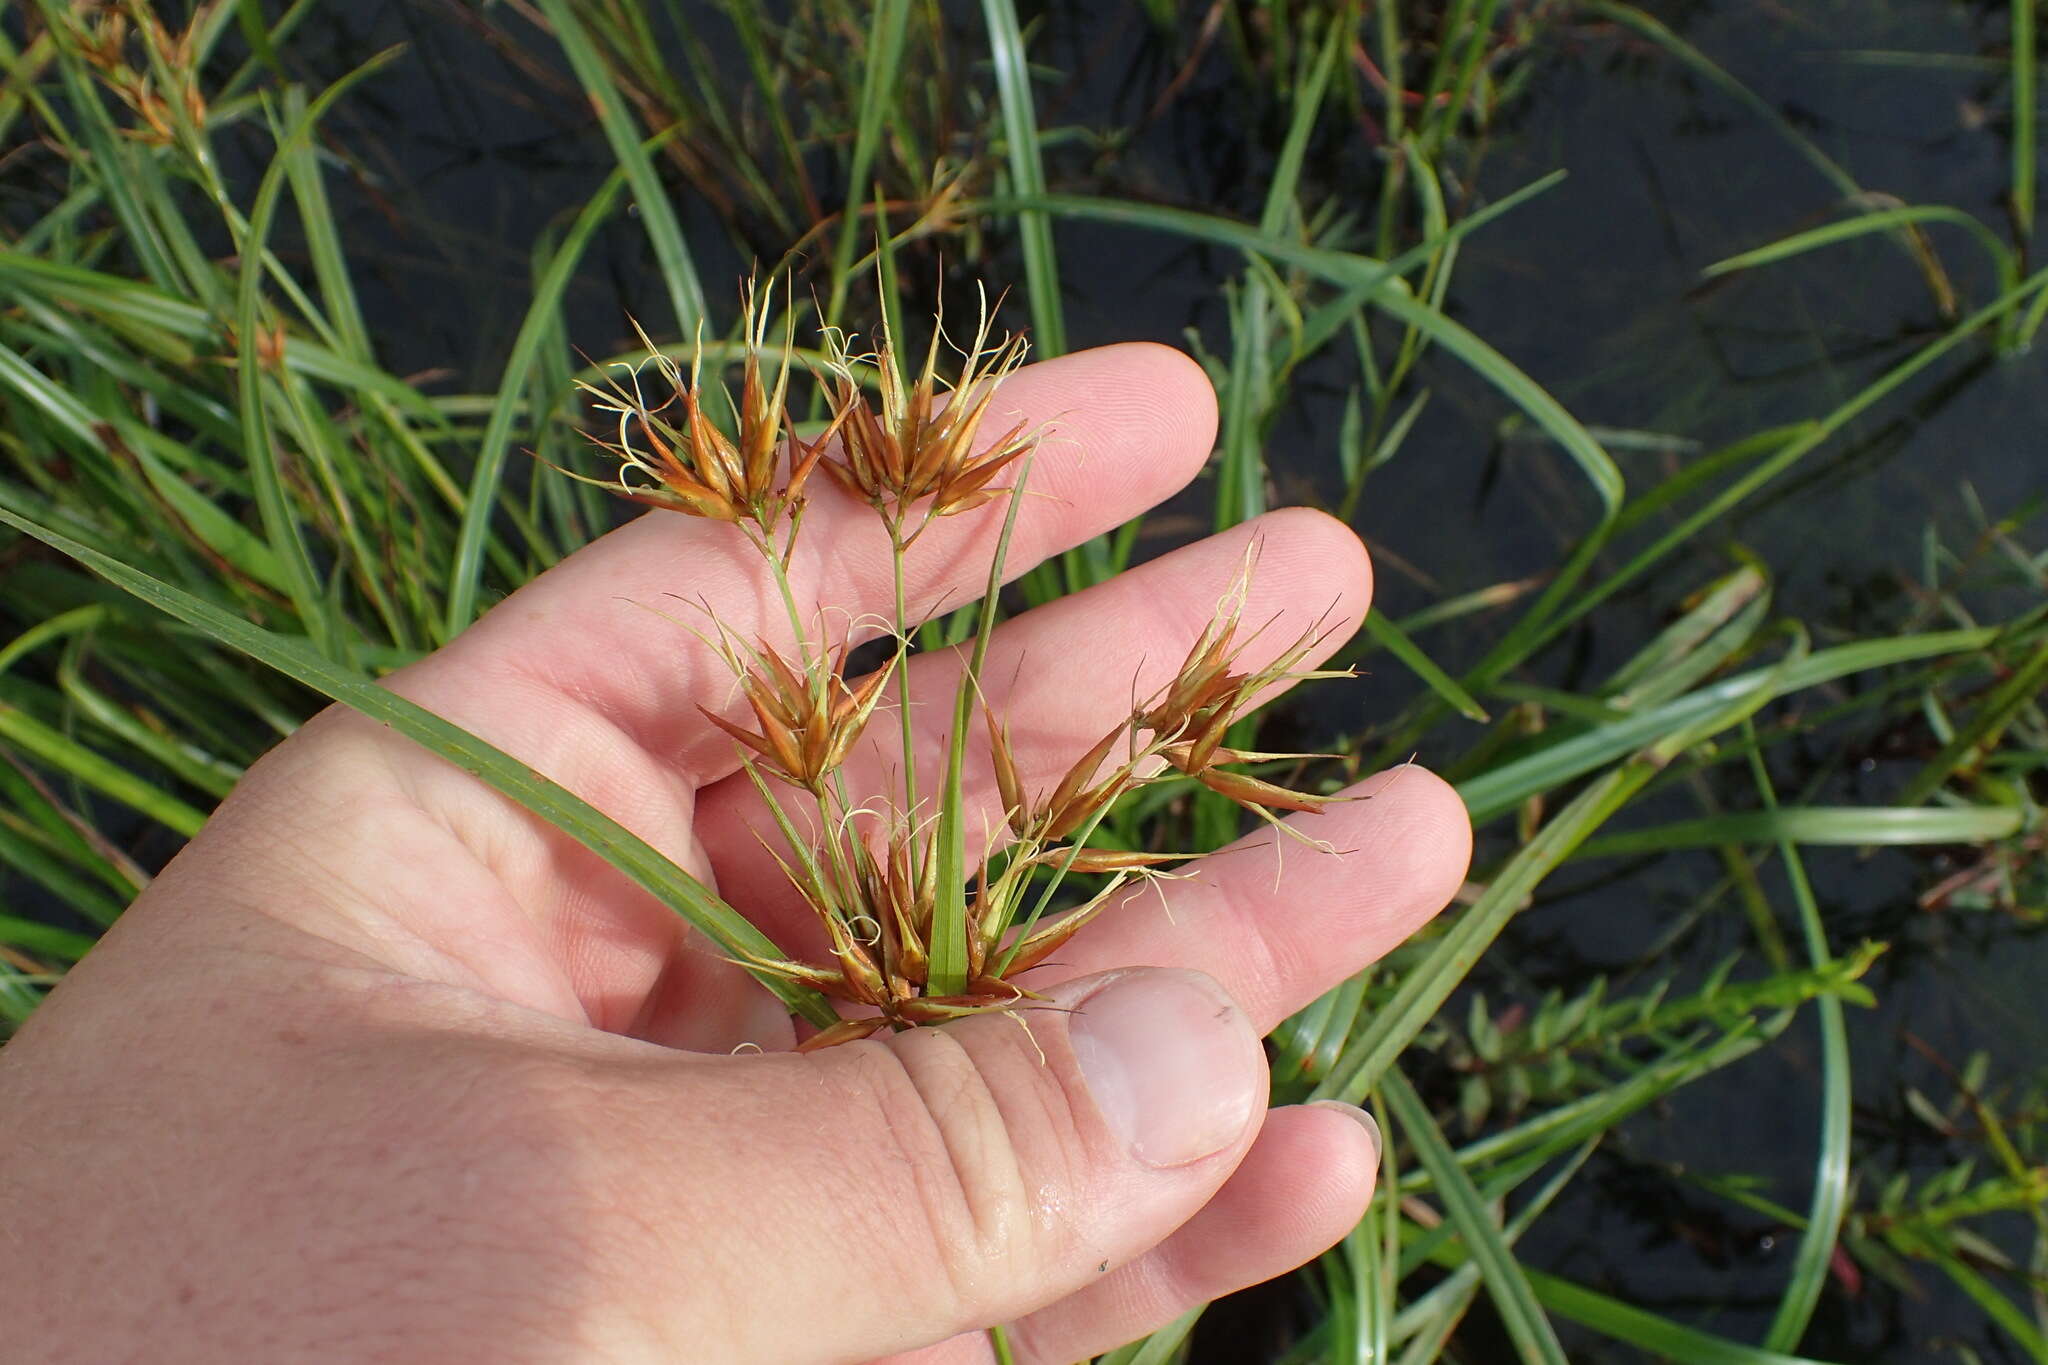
pixel 780 573
pixel 896 547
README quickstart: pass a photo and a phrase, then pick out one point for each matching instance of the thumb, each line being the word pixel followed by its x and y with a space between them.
pixel 887 1194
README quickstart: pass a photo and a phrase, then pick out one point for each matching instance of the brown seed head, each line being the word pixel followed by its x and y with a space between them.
pixel 671 453
pixel 899 887
pixel 161 81
pixel 845 1031
pixel 921 445
pixel 1074 800
pixel 1042 942
pixel 809 718
pixel 1191 716
pixel 1104 860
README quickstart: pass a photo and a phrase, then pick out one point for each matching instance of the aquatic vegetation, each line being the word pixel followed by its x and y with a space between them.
pixel 250 361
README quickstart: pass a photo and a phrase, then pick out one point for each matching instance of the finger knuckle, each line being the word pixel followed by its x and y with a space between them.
pixel 986 1149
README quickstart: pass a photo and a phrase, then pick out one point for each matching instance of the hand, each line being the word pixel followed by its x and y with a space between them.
pixel 382 1068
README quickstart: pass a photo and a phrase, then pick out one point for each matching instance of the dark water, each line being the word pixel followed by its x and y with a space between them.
pixel 1594 290
pixel 1591 290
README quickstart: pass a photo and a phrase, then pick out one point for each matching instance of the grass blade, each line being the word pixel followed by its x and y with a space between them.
pixel 886 32
pixel 95 770
pixel 1421 992
pixel 465 577
pixel 1390 295
pixel 1500 789
pixel 602 835
pixel 1027 175
pixel 1970 743
pixel 1396 642
pixel 1831 1167
pixel 43 938
pixel 664 232
pixel 1250 388
pixel 1162 1347
pixel 39 864
pixel 949 913
pixel 2023 119
pixel 1639 1327
pixel 1880 220
pixel 1997 1307
pixel 280 519
pixel 1841 826
pixel 1535 1339
pixel 1910 240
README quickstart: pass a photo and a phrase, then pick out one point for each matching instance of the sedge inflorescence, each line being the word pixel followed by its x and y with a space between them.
pixel 929 906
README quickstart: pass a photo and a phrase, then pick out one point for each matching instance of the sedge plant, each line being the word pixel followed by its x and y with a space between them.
pixel 199 406
pixel 912 929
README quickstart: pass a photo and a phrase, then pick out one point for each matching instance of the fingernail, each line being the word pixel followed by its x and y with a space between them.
pixel 1359 1116
pixel 1171 1064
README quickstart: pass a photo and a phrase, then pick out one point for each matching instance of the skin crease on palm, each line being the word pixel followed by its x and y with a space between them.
pixel 382 1069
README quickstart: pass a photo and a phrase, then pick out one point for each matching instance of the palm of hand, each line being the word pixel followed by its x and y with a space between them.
pixel 442 1010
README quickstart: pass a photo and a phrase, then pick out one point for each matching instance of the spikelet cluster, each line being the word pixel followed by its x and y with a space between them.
pixel 163 88
pixel 808 716
pixel 917 455
pixel 671 452
pixel 915 447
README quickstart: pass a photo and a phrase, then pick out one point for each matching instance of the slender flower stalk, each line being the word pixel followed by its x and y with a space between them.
pixel 916 923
